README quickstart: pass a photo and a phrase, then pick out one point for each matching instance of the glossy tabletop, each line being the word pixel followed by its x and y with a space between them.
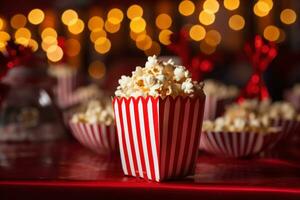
pixel 65 169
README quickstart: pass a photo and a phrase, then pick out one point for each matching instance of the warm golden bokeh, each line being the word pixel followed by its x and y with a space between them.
pixel 154 49
pixel 163 21
pixel 69 17
pixel 97 33
pixel 36 16
pixel 112 28
pixel 236 22
pixel 95 22
pixel 18 21
pixel 138 25
pixel 77 27
pixel 97 69
pixel 186 8
pixel 197 32
pixel 143 42
pixel 164 37
pixel 115 16
pixel 288 16
pixel 134 11
pixel 206 18
pixel 211 6
pixel 213 38
pixel 49 32
pixel 102 45
pixel 23 33
pixel 55 53
pixel 73 47
pixel 271 33
pixel 231 4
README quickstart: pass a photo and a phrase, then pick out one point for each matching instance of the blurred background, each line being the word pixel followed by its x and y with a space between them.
pixel 106 39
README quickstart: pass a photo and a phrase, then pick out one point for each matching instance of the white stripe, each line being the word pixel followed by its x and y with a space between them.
pixel 193 133
pixel 90 133
pixel 164 136
pixel 212 142
pixel 184 135
pixel 220 142
pixel 127 140
pixel 259 143
pixel 227 143
pixel 144 142
pixel 119 132
pixel 96 133
pixel 135 139
pixel 174 135
pixel 152 137
pixel 83 134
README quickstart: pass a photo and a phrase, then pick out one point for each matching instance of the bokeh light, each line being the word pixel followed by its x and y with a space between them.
pixel 102 45
pixel 143 42
pixel 36 16
pixel 197 32
pixel 186 8
pixel 206 18
pixel 211 6
pixel 77 27
pixel 213 38
pixel 111 28
pixel 4 36
pixel 18 21
pixel 206 48
pixel 69 17
pixel 138 24
pixel 2 24
pixel 115 16
pixel 33 44
pixel 73 47
pixel 236 22
pixel 55 53
pixel 49 32
pixel 288 16
pixel 134 35
pixel 163 21
pixel 23 32
pixel 97 69
pixel 154 49
pixel 231 4
pixel 134 11
pixel 271 33
pixel 262 8
pixel 97 33
pixel 164 37
pixel 22 40
pixel 95 22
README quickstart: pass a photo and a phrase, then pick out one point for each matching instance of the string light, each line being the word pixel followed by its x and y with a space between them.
pixel 102 45
pixel 231 4
pixel 55 53
pixel 134 11
pixel 236 22
pixel 206 18
pixel 77 27
pixel 164 36
pixel 18 21
pixel 211 6
pixel 163 21
pixel 288 16
pixel 213 38
pixel 97 33
pixel 72 47
pixel 197 32
pixel 271 33
pixel 69 17
pixel 36 16
pixel 115 16
pixel 97 69
pixel 95 23
pixel 186 8
pixel 111 28
pixel 138 24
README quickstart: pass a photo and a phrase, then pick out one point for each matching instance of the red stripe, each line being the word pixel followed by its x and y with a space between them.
pixel 131 138
pixel 108 135
pixel 148 139
pixel 123 137
pixel 139 139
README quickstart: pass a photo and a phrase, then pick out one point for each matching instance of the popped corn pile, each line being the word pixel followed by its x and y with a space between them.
pixel 220 90
pixel 159 78
pixel 96 111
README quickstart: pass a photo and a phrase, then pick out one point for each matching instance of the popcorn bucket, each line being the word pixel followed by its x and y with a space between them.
pixel 215 107
pixel 97 137
pixel 237 144
pixel 293 98
pixel 64 90
pixel 288 128
pixel 158 138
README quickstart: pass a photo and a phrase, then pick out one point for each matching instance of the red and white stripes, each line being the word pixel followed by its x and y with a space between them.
pixel 64 90
pixel 97 137
pixel 288 128
pixel 158 138
pixel 236 144
pixel 210 108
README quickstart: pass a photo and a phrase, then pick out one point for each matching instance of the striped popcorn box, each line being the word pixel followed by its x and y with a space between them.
pixel 237 144
pixel 215 106
pixel 97 137
pixel 288 128
pixel 158 138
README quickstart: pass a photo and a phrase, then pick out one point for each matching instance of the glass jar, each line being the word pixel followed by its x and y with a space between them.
pixel 27 111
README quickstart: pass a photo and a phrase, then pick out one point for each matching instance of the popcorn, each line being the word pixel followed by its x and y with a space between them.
pixel 95 112
pixel 218 89
pixel 158 78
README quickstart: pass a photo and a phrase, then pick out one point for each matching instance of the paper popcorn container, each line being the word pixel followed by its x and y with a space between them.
pixel 158 138
pixel 215 107
pixel 293 98
pixel 288 128
pixel 64 90
pixel 97 137
pixel 236 144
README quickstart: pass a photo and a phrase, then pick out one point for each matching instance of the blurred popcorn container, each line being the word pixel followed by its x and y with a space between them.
pixel 97 137
pixel 158 138
pixel 237 144
pixel 293 96
pixel 67 82
pixel 218 96
pixel 289 128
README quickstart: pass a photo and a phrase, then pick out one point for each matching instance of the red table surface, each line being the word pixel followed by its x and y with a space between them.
pixel 67 170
